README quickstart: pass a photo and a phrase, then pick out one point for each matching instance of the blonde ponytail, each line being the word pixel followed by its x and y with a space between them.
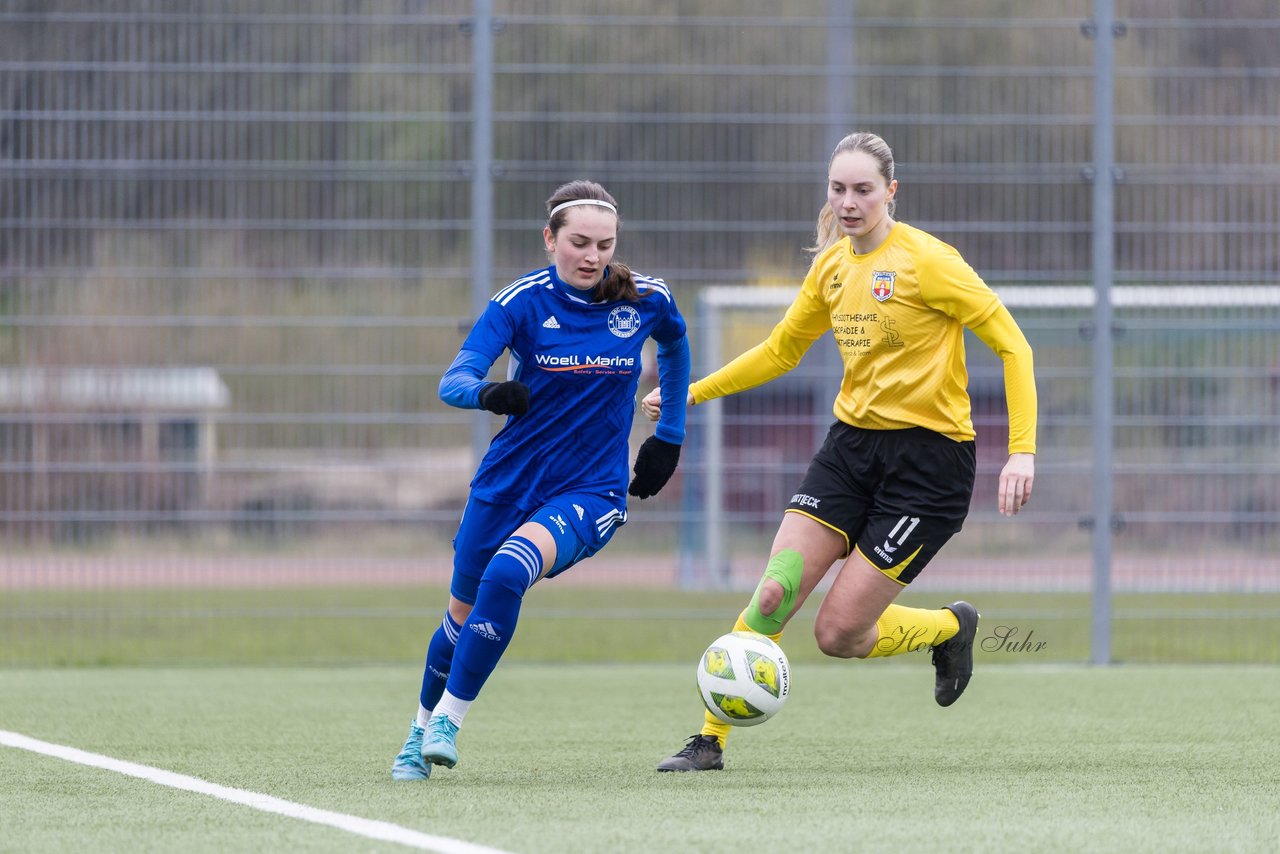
pixel 828 233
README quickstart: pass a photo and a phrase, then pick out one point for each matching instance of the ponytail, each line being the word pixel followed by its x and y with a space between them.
pixel 828 233
pixel 620 284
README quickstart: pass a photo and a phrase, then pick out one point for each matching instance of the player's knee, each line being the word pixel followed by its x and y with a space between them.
pixel 771 594
pixel 777 594
pixel 831 642
pixel 459 610
pixel 514 568
pixel 839 640
pixel 507 578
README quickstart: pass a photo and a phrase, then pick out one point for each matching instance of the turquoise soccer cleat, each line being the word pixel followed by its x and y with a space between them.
pixel 439 746
pixel 409 764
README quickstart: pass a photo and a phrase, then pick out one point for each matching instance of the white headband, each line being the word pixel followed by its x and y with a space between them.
pixel 595 202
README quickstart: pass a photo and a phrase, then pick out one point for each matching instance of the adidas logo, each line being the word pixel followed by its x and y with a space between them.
pixel 551 323
pixel 485 630
pixel 580 512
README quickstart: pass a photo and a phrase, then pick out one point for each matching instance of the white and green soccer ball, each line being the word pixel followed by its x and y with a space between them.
pixel 743 678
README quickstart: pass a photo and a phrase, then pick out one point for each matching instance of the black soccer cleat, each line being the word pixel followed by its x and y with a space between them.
pixel 700 753
pixel 953 659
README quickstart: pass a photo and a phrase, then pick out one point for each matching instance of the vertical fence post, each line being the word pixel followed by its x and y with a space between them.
pixel 481 186
pixel 825 361
pixel 842 72
pixel 717 561
pixel 1103 355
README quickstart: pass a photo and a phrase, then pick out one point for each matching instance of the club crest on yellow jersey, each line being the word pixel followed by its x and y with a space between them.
pixel 882 284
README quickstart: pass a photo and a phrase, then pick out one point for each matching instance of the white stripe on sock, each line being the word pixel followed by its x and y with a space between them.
pixel 528 556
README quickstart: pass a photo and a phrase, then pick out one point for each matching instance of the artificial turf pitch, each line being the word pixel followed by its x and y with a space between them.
pixel 560 757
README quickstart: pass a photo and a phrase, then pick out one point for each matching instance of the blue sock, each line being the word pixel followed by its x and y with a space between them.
pixel 439 659
pixel 488 630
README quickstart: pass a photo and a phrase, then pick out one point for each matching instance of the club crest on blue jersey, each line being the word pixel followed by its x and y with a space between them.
pixel 624 321
pixel 882 284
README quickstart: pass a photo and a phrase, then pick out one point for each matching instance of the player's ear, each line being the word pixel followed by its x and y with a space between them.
pixel 548 239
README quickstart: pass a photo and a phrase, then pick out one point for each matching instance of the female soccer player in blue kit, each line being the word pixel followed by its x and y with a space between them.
pixel 894 478
pixel 552 488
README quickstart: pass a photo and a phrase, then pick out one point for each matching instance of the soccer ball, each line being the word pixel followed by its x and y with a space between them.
pixel 743 678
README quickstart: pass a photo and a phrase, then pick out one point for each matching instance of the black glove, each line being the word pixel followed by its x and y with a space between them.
pixel 655 464
pixel 509 398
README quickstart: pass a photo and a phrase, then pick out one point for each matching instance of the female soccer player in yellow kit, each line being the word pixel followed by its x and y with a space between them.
pixel 894 478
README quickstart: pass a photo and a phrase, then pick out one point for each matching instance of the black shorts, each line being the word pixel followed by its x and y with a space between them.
pixel 895 495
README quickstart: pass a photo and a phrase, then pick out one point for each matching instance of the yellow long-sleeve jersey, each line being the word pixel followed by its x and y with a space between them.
pixel 898 315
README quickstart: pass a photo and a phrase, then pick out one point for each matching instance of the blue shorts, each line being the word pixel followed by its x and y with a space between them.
pixel 581 524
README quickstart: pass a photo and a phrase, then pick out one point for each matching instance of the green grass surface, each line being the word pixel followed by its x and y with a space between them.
pixel 560 758
pixel 390 625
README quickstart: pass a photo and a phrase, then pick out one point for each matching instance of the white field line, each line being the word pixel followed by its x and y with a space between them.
pixel 369 828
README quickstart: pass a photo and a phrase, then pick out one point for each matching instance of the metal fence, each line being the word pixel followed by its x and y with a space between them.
pixel 242 240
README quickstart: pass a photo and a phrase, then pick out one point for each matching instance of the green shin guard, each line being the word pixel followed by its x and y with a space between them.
pixel 785 567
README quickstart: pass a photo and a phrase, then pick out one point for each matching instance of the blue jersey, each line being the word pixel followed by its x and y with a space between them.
pixel 581 362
